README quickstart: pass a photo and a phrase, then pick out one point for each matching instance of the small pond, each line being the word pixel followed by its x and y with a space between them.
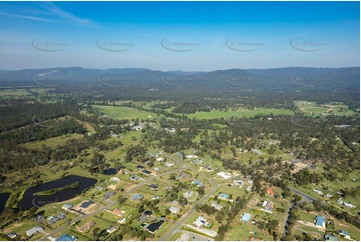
pixel 30 199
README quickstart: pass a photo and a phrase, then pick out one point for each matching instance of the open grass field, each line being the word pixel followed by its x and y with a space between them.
pixel 306 216
pixel 13 93
pixel 52 142
pixel 248 113
pixel 240 230
pixel 313 109
pixel 235 191
pixel 119 113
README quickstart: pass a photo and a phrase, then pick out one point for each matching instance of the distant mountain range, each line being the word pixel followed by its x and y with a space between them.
pixel 345 78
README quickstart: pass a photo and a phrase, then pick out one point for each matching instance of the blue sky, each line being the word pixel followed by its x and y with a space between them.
pixel 179 35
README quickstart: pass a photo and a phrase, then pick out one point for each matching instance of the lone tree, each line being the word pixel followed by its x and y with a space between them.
pixel 121 199
pixel 201 191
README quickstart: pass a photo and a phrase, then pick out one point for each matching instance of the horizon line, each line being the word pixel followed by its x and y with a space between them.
pixel 180 70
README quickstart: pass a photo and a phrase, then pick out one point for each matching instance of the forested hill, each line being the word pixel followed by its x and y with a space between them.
pixel 347 78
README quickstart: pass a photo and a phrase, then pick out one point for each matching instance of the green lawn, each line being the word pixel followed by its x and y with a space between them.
pixel 117 112
pixel 234 190
pixel 240 230
pixel 313 109
pixel 305 216
pixel 248 113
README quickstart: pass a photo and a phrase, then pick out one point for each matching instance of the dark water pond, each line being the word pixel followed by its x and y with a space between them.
pixel 30 200
pixel 3 199
pixel 110 171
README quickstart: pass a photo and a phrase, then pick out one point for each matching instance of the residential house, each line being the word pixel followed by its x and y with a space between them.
pixel 111 229
pixel 67 206
pixel 339 201
pixel 349 205
pixel 344 234
pixel 115 179
pixel 154 187
pixel 208 168
pixel 62 216
pixel 12 235
pixel 86 204
pixel 223 195
pixel 320 221
pixel 136 197
pixel 86 226
pixel 140 167
pixel 122 221
pixel 200 222
pixel 191 156
pixel 34 230
pixel 198 183
pixel 118 212
pixel 268 206
pixel 197 161
pixel 318 192
pixel 224 175
pixel 134 178
pixel 180 153
pixel 246 217
pixel 270 192
pixel 257 152
pixel 238 183
pixel 169 130
pixel 109 195
pixel 39 218
pixel 174 209
pixel 169 164
pixel 153 227
pixel 330 237
pixel 147 172
pixel 52 219
pixel 188 194
pixel 216 206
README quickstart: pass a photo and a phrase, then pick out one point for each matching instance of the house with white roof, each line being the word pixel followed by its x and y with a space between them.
pixel 174 209
pixel 224 175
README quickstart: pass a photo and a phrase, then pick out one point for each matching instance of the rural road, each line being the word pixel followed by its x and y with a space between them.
pixel 190 212
pixel 176 226
pixel 306 197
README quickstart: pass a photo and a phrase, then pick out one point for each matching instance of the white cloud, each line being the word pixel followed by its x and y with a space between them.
pixel 45 12
pixel 25 17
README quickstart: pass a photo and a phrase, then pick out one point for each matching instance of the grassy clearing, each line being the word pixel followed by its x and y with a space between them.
pixel 313 109
pixel 240 230
pixel 232 190
pixel 52 142
pixel 305 216
pixel 119 113
pixel 13 93
pixel 248 113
